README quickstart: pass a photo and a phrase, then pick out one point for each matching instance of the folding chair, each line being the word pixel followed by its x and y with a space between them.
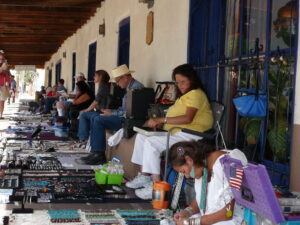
pixel 213 133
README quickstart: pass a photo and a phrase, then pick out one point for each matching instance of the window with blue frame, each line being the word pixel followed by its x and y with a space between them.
pixel 92 64
pixel 124 42
pixel 222 36
pixel 57 71
pixel 273 22
pixel 206 42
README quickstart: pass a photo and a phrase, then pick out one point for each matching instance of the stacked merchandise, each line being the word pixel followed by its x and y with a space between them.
pixel 143 217
pixel 291 209
pixel 64 216
pixel 92 217
pixel 34 168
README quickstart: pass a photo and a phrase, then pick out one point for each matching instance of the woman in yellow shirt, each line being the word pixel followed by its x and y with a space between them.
pixel 191 110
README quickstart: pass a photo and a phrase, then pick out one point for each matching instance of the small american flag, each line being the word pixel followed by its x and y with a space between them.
pixel 236 177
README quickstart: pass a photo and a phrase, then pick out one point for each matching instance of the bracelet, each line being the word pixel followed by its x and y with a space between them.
pixel 165 120
pixel 189 210
pixel 186 222
pixel 198 221
pixel 192 221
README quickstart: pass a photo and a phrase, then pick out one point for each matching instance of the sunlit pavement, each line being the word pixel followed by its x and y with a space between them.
pixel 11 108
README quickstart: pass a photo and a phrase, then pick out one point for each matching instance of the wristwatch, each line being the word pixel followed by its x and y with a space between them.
pixel 165 120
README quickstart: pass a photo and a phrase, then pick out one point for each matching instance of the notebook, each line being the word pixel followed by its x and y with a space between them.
pixel 147 131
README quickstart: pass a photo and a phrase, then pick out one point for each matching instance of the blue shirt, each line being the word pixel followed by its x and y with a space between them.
pixel 134 84
pixel 13 85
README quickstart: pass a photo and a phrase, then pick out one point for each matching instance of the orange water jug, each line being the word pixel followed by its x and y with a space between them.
pixel 161 195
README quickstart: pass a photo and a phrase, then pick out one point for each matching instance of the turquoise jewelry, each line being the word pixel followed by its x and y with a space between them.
pixel 192 172
pixel 189 210
pixel 203 189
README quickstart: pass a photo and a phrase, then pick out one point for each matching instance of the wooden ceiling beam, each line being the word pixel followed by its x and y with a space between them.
pixel 50 20
pixel 40 31
pixel 31 48
pixel 29 10
pixel 26 57
pixel 27 54
pixel 4 28
pixel 49 14
pixel 53 3
pixel 12 35
pixel 10 25
pixel 22 39
pixel 28 43
pixel 33 30
pixel 29 60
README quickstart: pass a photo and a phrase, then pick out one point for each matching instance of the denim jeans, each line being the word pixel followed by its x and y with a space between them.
pixel 85 124
pixel 48 104
pixel 100 123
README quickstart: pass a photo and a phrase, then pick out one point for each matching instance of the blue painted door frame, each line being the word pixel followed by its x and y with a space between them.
pixel 92 64
pixel 73 69
pixel 124 42
pixel 57 71
pixel 50 78
pixel 206 41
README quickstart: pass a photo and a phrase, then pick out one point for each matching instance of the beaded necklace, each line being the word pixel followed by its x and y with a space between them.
pixel 203 197
pixel 203 190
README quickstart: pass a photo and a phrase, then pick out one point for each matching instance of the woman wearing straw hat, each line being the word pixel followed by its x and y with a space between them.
pixel 94 125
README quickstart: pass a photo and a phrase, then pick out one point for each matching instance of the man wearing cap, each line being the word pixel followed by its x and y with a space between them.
pixel 78 77
pixel 95 124
pixel 65 103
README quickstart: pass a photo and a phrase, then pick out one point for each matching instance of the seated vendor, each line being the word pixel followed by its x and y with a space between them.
pixel 83 99
pixel 78 77
pixel 93 125
pixel 50 98
pixel 191 110
pixel 100 102
pixel 102 79
pixel 66 99
pixel 216 204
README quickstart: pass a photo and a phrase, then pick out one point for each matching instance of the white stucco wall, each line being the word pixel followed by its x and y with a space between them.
pixel 154 62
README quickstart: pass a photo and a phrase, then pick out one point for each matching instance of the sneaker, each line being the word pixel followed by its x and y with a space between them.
pixel 139 181
pixel 145 193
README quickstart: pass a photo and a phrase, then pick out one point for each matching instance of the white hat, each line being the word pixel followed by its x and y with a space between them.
pixel 121 71
pixel 79 75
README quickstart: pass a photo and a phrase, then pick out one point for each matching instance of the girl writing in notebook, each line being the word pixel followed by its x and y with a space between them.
pixel 214 203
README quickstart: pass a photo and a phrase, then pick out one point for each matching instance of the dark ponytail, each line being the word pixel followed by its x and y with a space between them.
pixel 197 150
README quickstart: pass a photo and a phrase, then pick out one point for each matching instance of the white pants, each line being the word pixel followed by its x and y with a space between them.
pixel 147 150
